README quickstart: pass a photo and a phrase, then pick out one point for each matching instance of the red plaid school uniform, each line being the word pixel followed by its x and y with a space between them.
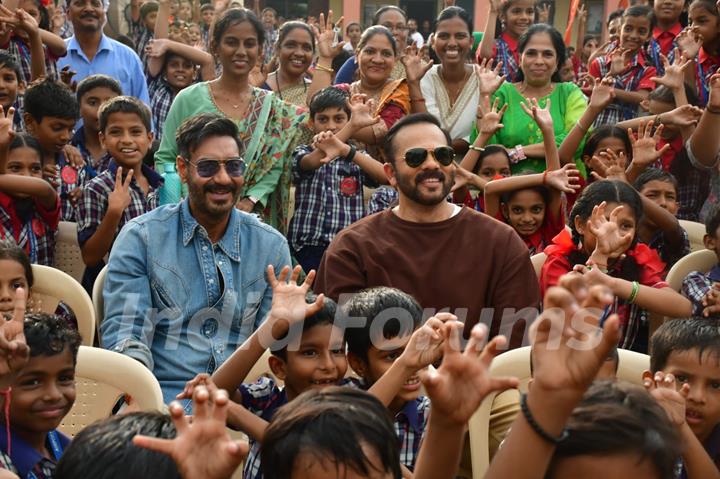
pixel 505 49
pixel 662 41
pixel 35 234
pixel 705 66
pixel 637 76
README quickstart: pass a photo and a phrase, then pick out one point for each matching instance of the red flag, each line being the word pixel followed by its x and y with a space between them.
pixel 574 5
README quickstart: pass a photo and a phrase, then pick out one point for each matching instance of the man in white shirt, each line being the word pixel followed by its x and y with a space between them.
pixel 413 34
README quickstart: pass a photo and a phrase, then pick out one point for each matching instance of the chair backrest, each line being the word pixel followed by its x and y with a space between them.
pixel 68 257
pixel 702 261
pixel 102 377
pixel 517 363
pixel 538 260
pixel 696 232
pixel 52 286
pixel 97 295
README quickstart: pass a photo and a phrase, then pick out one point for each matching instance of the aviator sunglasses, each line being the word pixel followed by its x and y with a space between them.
pixel 209 167
pixel 415 157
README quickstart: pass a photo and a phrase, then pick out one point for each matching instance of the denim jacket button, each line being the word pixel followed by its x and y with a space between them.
pixel 209 328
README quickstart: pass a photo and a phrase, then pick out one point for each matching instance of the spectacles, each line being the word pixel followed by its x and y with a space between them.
pixel 209 167
pixel 395 28
pixel 415 157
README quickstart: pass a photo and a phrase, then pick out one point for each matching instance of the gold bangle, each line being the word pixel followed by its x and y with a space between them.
pixel 476 148
pixel 324 68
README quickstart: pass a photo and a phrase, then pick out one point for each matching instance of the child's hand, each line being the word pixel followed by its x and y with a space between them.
pixel 362 111
pixel 156 47
pixel 618 61
pixel 464 177
pixel 50 174
pixel 543 13
pixel 73 156
pixel 462 381
pixel 674 77
pixel 609 165
pixel 66 75
pixel 689 42
pixel 602 92
pixel 203 447
pixel 14 351
pixel 489 79
pixel 541 115
pixel 663 388
pixel 20 20
pixel 610 242
pixel 120 197
pixel 415 66
pixel 330 145
pixel 489 118
pixel 566 179
pixel 714 86
pixel 202 379
pixel 686 115
pixel 711 301
pixel 582 13
pixel 426 343
pixel 7 130
pixel 496 5
pixel 643 145
pixel 327 49
pixel 288 298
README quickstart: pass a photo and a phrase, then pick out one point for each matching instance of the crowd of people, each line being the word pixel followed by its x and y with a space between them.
pixel 363 202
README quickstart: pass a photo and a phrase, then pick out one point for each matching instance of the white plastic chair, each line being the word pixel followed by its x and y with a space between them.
pixel 702 261
pixel 696 233
pixel 97 295
pixel 68 257
pixel 538 260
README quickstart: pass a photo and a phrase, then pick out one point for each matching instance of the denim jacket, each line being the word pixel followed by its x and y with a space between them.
pixel 180 304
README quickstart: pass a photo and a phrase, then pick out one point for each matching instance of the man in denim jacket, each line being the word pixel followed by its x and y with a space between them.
pixel 186 282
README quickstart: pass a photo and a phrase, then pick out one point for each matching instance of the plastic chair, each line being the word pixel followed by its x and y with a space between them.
pixel 102 377
pixel 702 261
pixel 68 257
pixel 52 286
pixel 696 233
pixel 517 363
pixel 97 295
pixel 538 260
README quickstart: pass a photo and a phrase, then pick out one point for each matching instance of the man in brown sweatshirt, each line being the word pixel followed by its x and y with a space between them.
pixel 447 257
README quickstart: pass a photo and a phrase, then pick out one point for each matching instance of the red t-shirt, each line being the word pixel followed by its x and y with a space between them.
pixel 536 242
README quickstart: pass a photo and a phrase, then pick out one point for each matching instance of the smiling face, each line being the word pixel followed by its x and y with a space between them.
pixel 87 15
pixel 634 33
pixel 453 41
pixel 668 11
pixel 179 71
pixel 296 52
pixel 24 161
pixel 525 212
pixel 589 47
pixel 90 104
pixel 376 60
pixel 539 60
pixel 706 23
pixel 614 28
pixel 126 139
pixel 12 277
pixel 518 17
pixel 238 49
pixel 8 87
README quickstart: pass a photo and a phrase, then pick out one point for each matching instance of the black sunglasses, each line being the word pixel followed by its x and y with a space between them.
pixel 208 167
pixel 415 157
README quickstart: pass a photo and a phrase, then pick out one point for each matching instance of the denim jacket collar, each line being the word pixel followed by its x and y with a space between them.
pixel 229 243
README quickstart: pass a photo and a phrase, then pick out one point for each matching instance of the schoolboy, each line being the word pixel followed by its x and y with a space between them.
pixel 92 92
pixel 689 350
pixel 142 30
pixel 51 111
pixel 11 85
pixel 664 34
pixel 127 189
pixel 207 11
pixel 628 65
pixel 329 176
pixel 42 393
pixel 701 288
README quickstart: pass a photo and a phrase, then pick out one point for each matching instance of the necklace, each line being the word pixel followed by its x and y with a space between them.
pixel 453 95
pixel 215 101
pixel 549 88
pixel 277 82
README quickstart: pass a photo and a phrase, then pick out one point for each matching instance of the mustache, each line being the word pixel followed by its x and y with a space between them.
pixel 430 175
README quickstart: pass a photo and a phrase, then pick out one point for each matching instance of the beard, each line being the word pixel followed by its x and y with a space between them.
pixel 409 187
pixel 198 196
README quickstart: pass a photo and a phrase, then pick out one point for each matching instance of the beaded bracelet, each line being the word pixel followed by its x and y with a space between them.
pixel 536 427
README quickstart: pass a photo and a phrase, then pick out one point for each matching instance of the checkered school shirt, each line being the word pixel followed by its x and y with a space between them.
pixel 94 202
pixel 635 77
pixel 693 183
pixel 326 200
pixel 141 36
pixel 697 284
pixel 70 178
pixel 35 234
pixel 161 97
pixel 669 256
pixel 21 51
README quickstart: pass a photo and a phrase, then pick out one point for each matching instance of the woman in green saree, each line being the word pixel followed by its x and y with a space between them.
pixel 268 126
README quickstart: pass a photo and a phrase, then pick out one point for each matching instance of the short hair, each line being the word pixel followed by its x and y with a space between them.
pixel 699 334
pixel 352 24
pixel 9 250
pixel 556 39
pixel 127 41
pixel 97 81
pixel 382 304
pixel 49 335
pixel 325 316
pixel 148 8
pixel 665 95
pixel 207 6
pixel 375 30
pixel 232 17
pixel 50 98
pixel 616 417
pixel 329 97
pixel 712 222
pixel 196 129
pixel 409 120
pixel 615 14
pixel 269 9
pixel 114 456
pixel 386 8
pixel 641 11
pixel 124 104
pixel 10 62
pixel 340 59
pixel 588 38
pixel 654 174
pixel 331 423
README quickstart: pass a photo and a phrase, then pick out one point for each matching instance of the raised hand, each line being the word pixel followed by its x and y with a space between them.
pixel 602 92
pixel 610 242
pixel 663 388
pixel 566 179
pixel 674 77
pixel 327 48
pixel 73 156
pixel 120 198
pixel 415 66
pixel 156 47
pixel 7 130
pixel 14 351
pixel 543 13
pixel 643 146
pixel 462 381
pixel 20 20
pixel 489 118
pixel 497 5
pixel 330 145
pixel 618 61
pixel 426 343
pixel 711 301
pixel 582 13
pixel 66 76
pixel 489 79
pixel 686 115
pixel 362 111
pixel 714 87
pixel 288 299
pixel 689 42
pixel 542 116
pixel 464 177
pixel 609 165
pixel 203 447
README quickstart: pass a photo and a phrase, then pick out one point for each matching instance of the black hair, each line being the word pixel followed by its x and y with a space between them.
pixel 542 190
pixel 712 222
pixel 557 41
pixel 49 335
pixel 455 12
pixel 708 5
pixel 97 81
pixel 641 11
pixel 326 315
pixel 377 30
pixel 386 8
pixel 602 132
pixel 329 425
pixel 654 174
pixel 288 27
pixel 124 104
pixel 487 151
pixel 269 9
pixel 665 95
pixel 195 130
pixel 9 250
pixel 234 16
pixel 340 59
pixel 50 98
pixel 127 41
pixel 587 38
pixel 699 334
pixel 615 14
pixel 148 8
pixel 114 456
pixel 10 62
pixel 399 311
pixel 352 24
pixel 329 97
pixel 207 6
pixel 409 120
pixel 618 418
pixel 26 140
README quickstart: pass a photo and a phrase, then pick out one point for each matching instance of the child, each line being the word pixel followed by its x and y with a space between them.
pixel 127 189
pixel 29 206
pixel 516 16
pixel 92 92
pixel 685 353
pixel 633 76
pixel 702 288
pixel 582 57
pixel 10 85
pixel 604 245
pixel 663 41
pixel 51 111
pixel 330 175
pixel 142 26
pixel 42 393
pixel 207 12
pixel 524 201
pixel 701 44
